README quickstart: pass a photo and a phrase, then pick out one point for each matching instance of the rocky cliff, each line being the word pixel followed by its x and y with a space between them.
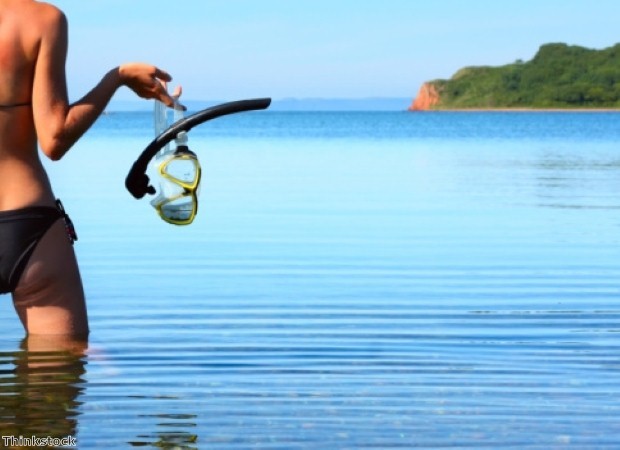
pixel 427 98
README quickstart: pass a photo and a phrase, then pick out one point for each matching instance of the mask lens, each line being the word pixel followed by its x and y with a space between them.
pixel 180 211
pixel 183 169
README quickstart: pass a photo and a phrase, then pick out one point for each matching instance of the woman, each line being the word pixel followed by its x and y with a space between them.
pixel 37 261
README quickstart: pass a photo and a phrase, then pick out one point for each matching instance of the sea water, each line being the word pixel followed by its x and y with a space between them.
pixel 352 280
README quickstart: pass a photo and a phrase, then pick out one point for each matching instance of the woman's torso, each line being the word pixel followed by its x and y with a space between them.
pixel 23 180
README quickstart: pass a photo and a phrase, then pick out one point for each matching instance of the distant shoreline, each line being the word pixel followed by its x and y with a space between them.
pixel 566 110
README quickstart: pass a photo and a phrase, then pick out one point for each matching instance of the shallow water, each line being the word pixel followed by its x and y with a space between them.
pixel 352 280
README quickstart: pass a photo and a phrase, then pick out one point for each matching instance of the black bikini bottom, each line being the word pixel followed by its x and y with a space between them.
pixel 20 232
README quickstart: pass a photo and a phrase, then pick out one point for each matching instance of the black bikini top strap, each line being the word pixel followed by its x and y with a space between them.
pixel 15 105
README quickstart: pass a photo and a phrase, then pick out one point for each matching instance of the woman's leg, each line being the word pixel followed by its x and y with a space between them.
pixel 50 298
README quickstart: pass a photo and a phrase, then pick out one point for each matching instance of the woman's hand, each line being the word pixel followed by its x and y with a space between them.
pixel 147 81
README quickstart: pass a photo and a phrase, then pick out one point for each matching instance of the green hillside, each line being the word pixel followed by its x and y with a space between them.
pixel 559 76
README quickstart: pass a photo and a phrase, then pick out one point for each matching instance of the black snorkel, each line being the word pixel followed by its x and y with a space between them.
pixel 137 182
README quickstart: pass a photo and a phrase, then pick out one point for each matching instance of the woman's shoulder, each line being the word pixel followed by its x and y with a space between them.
pixel 46 23
pixel 50 11
pixel 46 14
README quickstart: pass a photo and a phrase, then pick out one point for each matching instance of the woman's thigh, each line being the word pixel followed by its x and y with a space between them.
pixel 50 298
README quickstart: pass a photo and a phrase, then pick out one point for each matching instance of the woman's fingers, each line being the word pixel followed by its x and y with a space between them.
pixel 162 74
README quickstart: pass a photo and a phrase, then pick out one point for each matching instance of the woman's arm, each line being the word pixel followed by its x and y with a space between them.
pixel 58 124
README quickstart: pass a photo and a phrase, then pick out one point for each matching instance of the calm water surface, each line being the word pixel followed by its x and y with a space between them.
pixel 353 280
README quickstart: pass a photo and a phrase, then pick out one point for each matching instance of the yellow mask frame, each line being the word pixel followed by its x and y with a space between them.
pixel 165 204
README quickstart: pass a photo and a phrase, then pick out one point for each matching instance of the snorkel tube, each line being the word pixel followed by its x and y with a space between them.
pixel 137 181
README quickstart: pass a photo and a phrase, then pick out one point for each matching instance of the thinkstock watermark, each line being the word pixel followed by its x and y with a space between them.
pixel 38 441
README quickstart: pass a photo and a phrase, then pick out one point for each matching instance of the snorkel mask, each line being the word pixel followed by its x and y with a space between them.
pixel 177 171
pixel 179 185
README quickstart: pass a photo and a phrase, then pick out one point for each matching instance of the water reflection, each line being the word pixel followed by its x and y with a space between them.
pixel 40 388
pixel 173 436
pixel 578 181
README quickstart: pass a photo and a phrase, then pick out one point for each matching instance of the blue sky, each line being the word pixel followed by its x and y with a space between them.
pixel 230 49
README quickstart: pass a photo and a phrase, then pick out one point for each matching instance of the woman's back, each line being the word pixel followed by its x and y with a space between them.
pixel 23 179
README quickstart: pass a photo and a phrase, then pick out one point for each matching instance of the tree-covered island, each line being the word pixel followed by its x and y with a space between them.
pixel 559 76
